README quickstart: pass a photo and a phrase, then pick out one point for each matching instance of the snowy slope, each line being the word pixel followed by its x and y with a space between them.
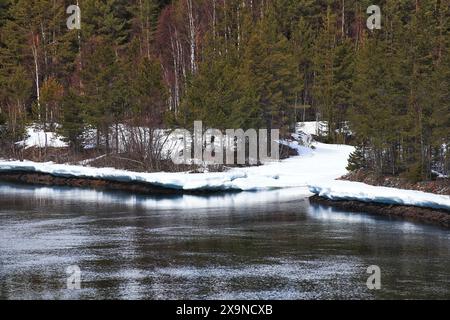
pixel 325 163
pixel 347 190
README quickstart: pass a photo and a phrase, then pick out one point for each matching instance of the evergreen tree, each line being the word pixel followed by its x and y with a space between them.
pixel 231 64
pixel 267 64
pixel 72 120
pixel 100 73
pixel 357 160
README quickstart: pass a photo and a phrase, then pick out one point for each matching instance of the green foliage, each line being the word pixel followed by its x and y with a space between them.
pixel 399 99
pixel 357 160
pixel 109 19
pixel 254 85
pixel 235 64
pixel 334 75
pixel 414 173
pixel 72 120
pixel 268 64
pixel 149 93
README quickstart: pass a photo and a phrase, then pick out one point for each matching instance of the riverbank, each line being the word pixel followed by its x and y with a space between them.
pixel 323 163
pixel 440 185
pixel 45 179
pixel 357 191
pixel 439 217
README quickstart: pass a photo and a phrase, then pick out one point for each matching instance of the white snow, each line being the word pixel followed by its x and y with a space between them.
pixel 325 162
pixel 320 128
pixel 39 138
pixel 316 168
pixel 301 142
pixel 347 190
pixel 295 145
pixel 316 128
pixel 439 174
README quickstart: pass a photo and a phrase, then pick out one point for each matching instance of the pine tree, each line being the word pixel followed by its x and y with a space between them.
pixel 267 64
pixel 72 120
pixel 324 84
pixel 149 93
pixel 99 76
pixel 145 17
pixel 357 160
pixel 303 39
pixel 18 88
pixel 51 97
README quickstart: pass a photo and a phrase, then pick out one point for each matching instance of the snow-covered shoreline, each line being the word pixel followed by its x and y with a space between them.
pixel 315 169
pixel 356 191
pixel 323 163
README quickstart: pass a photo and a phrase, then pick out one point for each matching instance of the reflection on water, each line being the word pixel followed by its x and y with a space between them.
pixel 265 245
pixel 172 202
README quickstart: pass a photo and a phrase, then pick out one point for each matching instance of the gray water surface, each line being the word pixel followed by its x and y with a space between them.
pixel 268 245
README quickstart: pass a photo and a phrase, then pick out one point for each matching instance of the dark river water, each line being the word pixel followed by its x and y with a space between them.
pixel 267 245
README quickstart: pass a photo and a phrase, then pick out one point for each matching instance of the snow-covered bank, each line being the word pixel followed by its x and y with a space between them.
pixel 316 168
pixel 324 163
pixel 347 190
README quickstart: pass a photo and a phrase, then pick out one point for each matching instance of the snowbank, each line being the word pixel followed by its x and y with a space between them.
pixel 315 168
pixel 347 190
pixel 324 163
pixel 38 138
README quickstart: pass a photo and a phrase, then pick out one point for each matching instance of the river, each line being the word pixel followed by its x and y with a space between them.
pixel 265 245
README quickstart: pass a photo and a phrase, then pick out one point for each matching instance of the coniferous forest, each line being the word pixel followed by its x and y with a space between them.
pixel 232 64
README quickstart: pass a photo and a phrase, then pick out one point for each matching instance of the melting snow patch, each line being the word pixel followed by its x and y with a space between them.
pixel 40 139
pixel 347 190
